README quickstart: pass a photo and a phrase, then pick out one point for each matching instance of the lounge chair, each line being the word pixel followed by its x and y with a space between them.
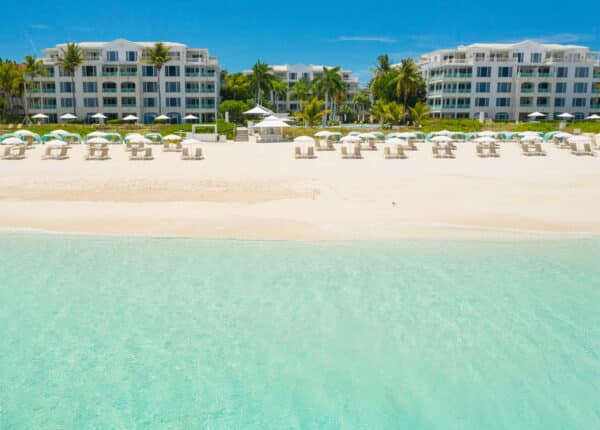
pixel 357 152
pixel 480 152
pixel 141 154
pixel 574 150
pixel 539 150
pixel 14 153
pixel 435 150
pixel 411 146
pixel 344 152
pixel 166 147
pixel 198 155
pixel 372 145
pixel 525 149
pixel 399 153
pixel 492 151
pixel 318 145
pixel 448 152
pixel 587 149
pixel 330 146
pixel 297 152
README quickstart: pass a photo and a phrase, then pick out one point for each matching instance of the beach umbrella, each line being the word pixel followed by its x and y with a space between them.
pixel 171 137
pixel 323 133
pixel 190 117
pixel 59 132
pixel 354 133
pixel 536 115
pixel 486 134
pixel 579 139
pixel 593 116
pixel 12 141
pixel 277 118
pixel 95 134
pixel 130 118
pixel 566 115
pixel 139 140
pixel 271 124
pixel 68 116
pixel 133 136
pixel 485 139
pixel 351 139
pixel 98 141
pixel 404 135
pixel 562 135
pixel 395 141
pixel 306 140
pixel 40 116
pixel 532 138
pixel 99 116
pixel 367 136
pixel 26 133
pixel 163 117
pixel 441 138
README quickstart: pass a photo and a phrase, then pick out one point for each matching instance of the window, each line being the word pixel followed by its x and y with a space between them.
pixel 128 101
pixel 305 75
pixel 293 76
pixel 479 56
pixel 580 88
pixel 192 87
pixel 150 102
pixel 504 87
pixel 482 102
pixel 192 71
pixel 88 71
pixel 66 103
pixel 562 72
pixel 109 101
pixel 482 87
pixel 63 73
pixel 65 87
pixel 173 101
pixel 578 102
pixel 503 101
pixel 172 87
pixel 484 72
pixel 505 72
pixel 559 102
pixel 519 56
pixel 148 71
pixel 561 87
pixel 582 72
pixel 172 71
pixel 501 116
pixel 90 102
pixel 90 87
pixel 150 87
pixel 536 57
pixel 131 56
pixel 192 102
pixel 112 56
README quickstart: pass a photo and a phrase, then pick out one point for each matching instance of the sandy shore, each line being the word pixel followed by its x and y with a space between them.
pixel 250 191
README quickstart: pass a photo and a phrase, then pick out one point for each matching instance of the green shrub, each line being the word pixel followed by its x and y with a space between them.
pixel 116 121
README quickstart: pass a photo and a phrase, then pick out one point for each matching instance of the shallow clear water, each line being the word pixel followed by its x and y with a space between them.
pixel 177 334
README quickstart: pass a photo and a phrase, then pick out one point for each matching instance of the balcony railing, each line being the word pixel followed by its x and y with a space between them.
pixel 526 90
pixel 110 105
pixel 205 106
pixel 542 104
pixel 464 90
pixel 109 73
pixel 128 104
pixel 449 106
pixel 463 106
pixel 47 106
pixel 128 90
pixel 109 90
pixel 526 74
pixel 128 73
pixel 207 90
pixel 192 90
pixel 207 75
pixel 543 90
pixel 525 104
pixel 192 106
pixel 192 74
pixel 595 105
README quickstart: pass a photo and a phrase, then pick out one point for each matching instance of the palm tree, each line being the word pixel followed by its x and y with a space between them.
pixel 236 87
pixel 11 80
pixel 158 56
pixel 261 79
pixel 312 111
pixel 69 60
pixel 419 112
pixel 32 67
pixel 406 82
pixel 330 84
pixel 394 112
pixel 383 64
pixel 280 88
pixel 361 102
pixel 302 90
pixel 379 111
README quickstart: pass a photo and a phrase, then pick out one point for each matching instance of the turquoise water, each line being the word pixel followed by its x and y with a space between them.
pixel 185 334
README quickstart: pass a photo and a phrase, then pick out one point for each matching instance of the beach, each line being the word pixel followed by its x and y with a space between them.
pixel 259 191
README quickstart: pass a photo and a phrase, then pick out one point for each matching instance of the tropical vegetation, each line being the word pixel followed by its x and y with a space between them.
pixel 158 56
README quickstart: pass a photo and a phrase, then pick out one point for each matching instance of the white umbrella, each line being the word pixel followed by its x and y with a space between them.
pixel 351 139
pixel 305 140
pixel 323 133
pixel 68 116
pixel 532 138
pixel 395 141
pixel 98 141
pixel 171 137
pixel 485 139
pixel 486 134
pixel 133 136
pixel 24 133
pixel 59 132
pixel 259 110
pixel 530 133
pixel 40 116
pixel 579 139
pixel 566 115
pixel 367 136
pixel 130 118
pixel 96 134
pixel 562 135
pixel 55 142
pixel 536 115
pixel 276 118
pixel 404 135
pixel 139 140
pixel 190 117
pixel 593 116
pixel 441 138
pixel 271 124
pixel 99 116
pixel 163 117
pixel 12 141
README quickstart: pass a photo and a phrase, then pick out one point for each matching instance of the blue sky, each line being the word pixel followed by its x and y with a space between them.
pixel 331 32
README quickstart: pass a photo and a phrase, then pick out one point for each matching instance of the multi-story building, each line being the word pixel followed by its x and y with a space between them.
pixel 291 74
pixel 116 80
pixel 510 81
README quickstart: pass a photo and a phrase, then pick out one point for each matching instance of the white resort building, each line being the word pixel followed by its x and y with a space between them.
pixel 115 80
pixel 510 81
pixel 291 74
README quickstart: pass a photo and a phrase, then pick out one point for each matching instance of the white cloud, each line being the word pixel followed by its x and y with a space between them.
pixel 379 39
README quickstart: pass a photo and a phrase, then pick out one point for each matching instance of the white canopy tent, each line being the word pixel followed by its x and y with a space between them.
pixel 593 116
pixel 259 110
pixel 130 118
pixel 535 115
pixel 566 115
pixel 68 116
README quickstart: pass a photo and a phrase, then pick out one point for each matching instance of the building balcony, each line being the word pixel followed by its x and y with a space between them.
pixel 464 90
pixel 207 75
pixel 128 104
pixel 449 106
pixel 527 90
pixel 109 73
pixel 205 106
pixel 47 106
pixel 192 74
pixel 544 105
pixel 128 73
pixel 463 106
pixel 545 75
pixel 595 90
pixel 110 105
pixel 543 90
pixel 109 90
pixel 596 75
pixel 192 106
pixel 526 74
pixel 595 106
pixel 207 90
pixel 128 90
pixel 192 90
pixel 35 106
pixel 526 104
pixel 449 90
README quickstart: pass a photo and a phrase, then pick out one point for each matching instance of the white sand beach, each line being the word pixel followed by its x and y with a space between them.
pixel 259 191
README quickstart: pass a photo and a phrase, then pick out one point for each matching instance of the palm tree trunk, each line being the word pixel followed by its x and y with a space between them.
pixel 26 105
pixel 159 93
pixel 73 93
pixel 326 105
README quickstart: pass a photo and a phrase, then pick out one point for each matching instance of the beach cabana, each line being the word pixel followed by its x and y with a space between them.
pixel 28 136
pixel 12 140
pixel 71 138
pixel 259 110
pixel 270 131
pixel 113 137
pixel 155 137
pixel 334 135
pixel 171 138
pixel 132 136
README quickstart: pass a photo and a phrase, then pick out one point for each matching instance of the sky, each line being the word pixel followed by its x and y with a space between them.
pixel 330 32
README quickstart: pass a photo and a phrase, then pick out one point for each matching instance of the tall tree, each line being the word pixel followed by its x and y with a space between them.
pixel 361 102
pixel 69 60
pixel 419 112
pixel 261 80
pixel 158 56
pixel 312 111
pixel 406 82
pixel 329 84
pixel 32 68
pixel 279 89
pixel 11 80
pixel 236 86
pixel 302 90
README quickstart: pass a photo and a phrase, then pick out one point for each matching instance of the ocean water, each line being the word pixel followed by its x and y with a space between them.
pixel 105 333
